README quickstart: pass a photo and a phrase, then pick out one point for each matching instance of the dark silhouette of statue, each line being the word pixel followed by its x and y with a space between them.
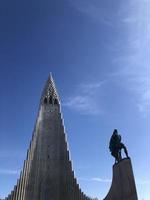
pixel 115 146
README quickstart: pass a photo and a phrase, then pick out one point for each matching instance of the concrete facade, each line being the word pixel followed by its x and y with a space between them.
pixel 47 171
pixel 123 183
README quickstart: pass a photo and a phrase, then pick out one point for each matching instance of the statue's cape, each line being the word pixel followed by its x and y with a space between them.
pixel 114 142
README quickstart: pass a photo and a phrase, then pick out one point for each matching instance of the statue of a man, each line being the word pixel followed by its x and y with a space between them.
pixel 115 146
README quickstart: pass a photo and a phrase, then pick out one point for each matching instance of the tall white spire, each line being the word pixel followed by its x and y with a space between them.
pixel 47 173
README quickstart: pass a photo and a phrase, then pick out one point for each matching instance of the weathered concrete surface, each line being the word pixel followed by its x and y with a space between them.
pixel 47 172
pixel 123 183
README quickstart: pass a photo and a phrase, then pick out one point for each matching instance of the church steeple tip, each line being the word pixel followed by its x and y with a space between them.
pixel 50 76
pixel 50 94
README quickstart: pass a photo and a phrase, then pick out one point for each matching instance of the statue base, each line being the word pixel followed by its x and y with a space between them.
pixel 123 183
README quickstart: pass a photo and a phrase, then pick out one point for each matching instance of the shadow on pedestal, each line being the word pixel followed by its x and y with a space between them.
pixel 123 183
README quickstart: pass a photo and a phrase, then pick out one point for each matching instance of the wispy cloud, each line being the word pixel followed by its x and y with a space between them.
pixel 107 180
pixel 102 180
pixel 12 153
pixel 9 172
pixel 133 55
pixel 131 20
pixel 97 179
pixel 143 182
pixel 86 99
pixel 93 9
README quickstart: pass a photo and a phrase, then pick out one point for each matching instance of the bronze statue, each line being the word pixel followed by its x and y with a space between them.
pixel 115 146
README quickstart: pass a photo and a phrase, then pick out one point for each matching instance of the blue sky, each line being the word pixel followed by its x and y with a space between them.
pixel 98 53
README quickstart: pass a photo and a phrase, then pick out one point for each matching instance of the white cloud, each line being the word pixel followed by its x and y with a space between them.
pixel 93 9
pixel 86 99
pixel 91 88
pixel 97 179
pixel 132 50
pixel 12 153
pixel 143 182
pixel 133 59
pixel 102 180
pixel 107 180
pixel 9 172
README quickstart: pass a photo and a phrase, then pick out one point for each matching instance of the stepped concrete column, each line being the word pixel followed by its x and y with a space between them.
pixel 22 182
pixel 11 196
pixel 19 186
pixel 14 196
pixel 17 191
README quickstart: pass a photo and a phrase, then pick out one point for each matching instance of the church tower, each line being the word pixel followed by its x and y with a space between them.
pixel 47 172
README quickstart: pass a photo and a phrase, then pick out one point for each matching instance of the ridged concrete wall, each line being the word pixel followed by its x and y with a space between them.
pixel 47 171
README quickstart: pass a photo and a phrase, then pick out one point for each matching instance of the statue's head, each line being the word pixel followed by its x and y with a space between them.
pixel 115 132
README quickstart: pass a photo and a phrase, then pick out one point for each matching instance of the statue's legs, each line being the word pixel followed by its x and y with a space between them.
pixel 119 155
pixel 124 148
pixel 115 155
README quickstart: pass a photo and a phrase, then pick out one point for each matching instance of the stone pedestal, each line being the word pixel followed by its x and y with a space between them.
pixel 123 183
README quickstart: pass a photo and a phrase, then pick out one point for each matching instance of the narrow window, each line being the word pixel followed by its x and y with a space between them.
pixel 45 100
pixel 50 100
pixel 55 102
